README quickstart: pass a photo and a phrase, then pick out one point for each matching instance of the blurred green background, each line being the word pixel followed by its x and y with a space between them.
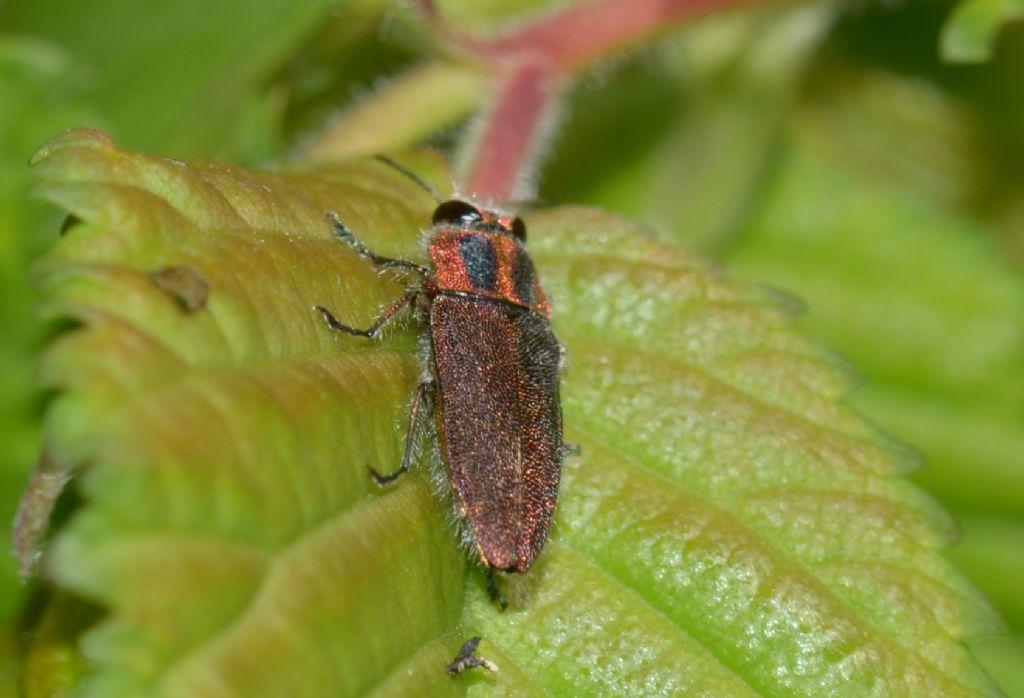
pixel 832 150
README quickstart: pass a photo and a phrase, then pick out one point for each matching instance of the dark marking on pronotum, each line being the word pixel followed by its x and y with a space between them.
pixel 480 259
pixel 523 277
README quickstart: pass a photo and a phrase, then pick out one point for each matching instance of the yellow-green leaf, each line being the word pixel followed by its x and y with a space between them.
pixel 970 33
pixel 731 528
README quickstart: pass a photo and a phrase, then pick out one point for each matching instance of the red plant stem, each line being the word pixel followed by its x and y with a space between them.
pixel 508 145
pixel 572 38
pixel 541 54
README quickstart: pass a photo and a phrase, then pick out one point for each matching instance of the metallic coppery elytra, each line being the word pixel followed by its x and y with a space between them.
pixel 492 368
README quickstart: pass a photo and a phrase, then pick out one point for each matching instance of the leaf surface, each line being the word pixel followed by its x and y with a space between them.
pixel 970 33
pixel 730 528
pixel 175 64
pixel 40 96
pixel 921 299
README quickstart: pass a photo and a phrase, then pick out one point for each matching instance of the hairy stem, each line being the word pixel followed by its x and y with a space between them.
pixel 534 61
pixel 511 134
pixel 569 40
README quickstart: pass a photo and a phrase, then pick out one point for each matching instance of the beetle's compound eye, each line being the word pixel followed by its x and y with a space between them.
pixel 519 228
pixel 457 213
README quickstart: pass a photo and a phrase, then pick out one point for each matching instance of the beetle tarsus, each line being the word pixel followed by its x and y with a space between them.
pixel 384 480
pixel 334 324
pixel 494 591
pixel 345 234
pixel 371 331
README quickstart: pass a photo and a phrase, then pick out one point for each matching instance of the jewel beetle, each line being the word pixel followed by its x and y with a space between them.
pixel 490 376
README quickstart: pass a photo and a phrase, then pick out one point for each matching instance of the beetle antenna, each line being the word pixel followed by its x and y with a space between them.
pixel 411 175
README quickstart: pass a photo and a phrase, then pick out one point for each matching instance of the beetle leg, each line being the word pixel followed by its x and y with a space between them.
pixel 373 329
pixel 344 234
pixel 494 591
pixel 411 436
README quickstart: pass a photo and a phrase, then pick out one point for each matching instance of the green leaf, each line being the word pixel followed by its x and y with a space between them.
pixel 970 32
pixel 53 664
pixel 154 67
pixel 857 117
pixel 9 664
pixel 730 528
pixel 40 94
pixel 920 300
pixel 1003 658
pixel 990 551
pixel 403 112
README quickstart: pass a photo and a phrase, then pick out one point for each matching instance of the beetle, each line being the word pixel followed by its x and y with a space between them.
pixel 490 375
